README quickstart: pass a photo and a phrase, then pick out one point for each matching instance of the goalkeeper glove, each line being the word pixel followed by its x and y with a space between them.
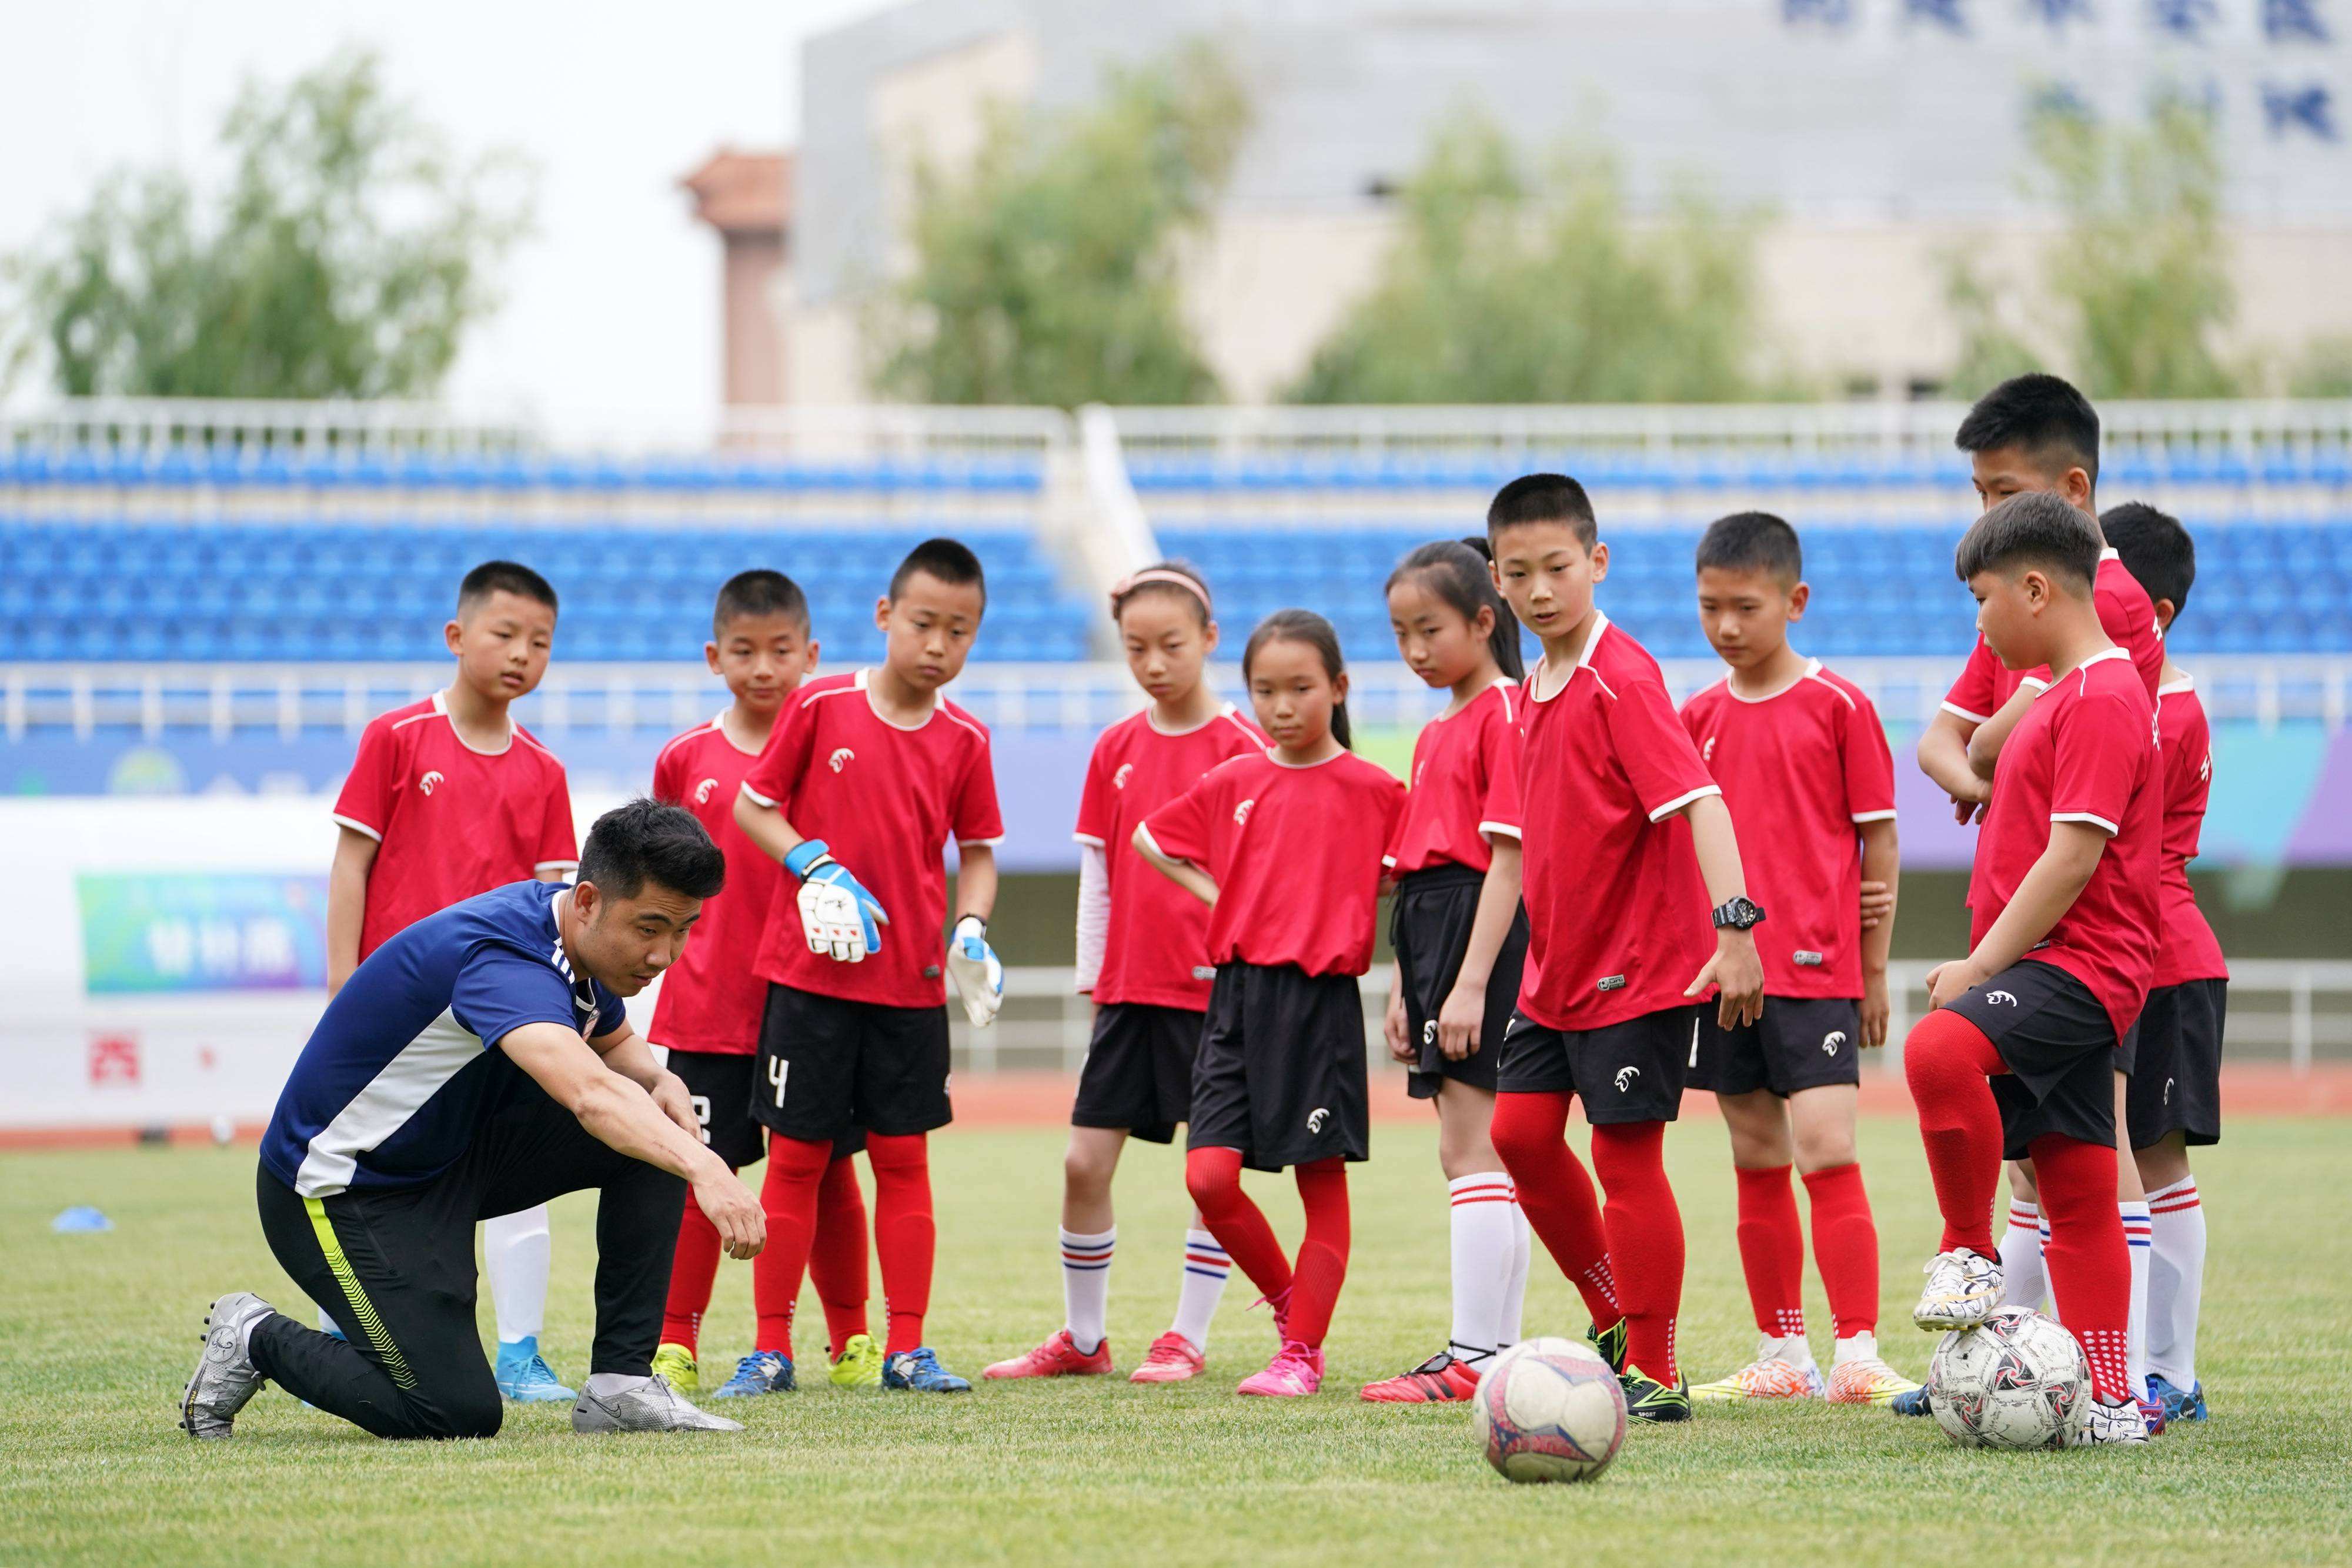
pixel 838 916
pixel 980 978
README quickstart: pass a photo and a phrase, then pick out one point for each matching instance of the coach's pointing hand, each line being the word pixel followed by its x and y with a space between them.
pixel 732 1211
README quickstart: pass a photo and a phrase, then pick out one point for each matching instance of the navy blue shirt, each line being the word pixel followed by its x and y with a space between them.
pixel 404 1067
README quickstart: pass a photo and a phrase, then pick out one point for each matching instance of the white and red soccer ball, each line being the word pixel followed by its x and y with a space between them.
pixel 1550 1410
pixel 2018 1380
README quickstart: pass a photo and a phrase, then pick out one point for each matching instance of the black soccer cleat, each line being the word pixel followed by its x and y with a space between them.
pixel 1609 1343
pixel 1647 1399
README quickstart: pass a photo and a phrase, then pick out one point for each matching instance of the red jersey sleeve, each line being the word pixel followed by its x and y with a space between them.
pixel 977 819
pixel 1975 695
pixel 558 844
pixel 785 757
pixel 666 785
pixel 1498 750
pixel 1180 828
pixel 366 803
pixel 1094 813
pixel 2096 741
pixel 1655 750
pixel 1869 764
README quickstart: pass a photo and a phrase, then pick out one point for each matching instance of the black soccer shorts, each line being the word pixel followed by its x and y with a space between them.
pixel 828 1066
pixel 721 1084
pixel 1138 1070
pixel 1281 1072
pixel 1631 1071
pixel 2060 1046
pixel 1800 1043
pixel 1430 928
pixel 2176 1085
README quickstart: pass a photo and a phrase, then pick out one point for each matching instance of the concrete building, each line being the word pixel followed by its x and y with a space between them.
pixel 746 197
pixel 1881 136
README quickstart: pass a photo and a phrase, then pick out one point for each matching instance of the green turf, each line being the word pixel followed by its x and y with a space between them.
pixel 97 1333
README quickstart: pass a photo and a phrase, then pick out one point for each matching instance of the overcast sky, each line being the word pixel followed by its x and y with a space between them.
pixel 612 308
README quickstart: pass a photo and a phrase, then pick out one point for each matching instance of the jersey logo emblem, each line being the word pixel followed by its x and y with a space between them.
pixel 2167 1091
pixel 2205 768
pixel 429 782
pixel 1118 779
pixel 1706 752
pixel 2001 999
pixel 1429 1032
pixel 1611 983
pixel 1625 1076
pixel 1316 1117
pixel 841 759
pixel 1242 812
pixel 1831 1041
pixel 1807 958
pixel 702 791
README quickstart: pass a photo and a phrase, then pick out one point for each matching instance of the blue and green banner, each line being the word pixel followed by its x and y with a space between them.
pixel 157 932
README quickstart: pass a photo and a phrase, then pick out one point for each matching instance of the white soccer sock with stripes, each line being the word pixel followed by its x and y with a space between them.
pixel 1484 1238
pixel 1205 1267
pixel 2175 1282
pixel 1086 1286
pixel 2136 1242
pixel 517 1254
pixel 1515 1284
pixel 2024 1282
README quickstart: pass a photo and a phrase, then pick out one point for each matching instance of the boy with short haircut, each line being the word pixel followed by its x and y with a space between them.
pixel 1805 771
pixel 865 779
pixel 449 798
pixel 2176 1088
pixel 1617 892
pixel 707 1017
pixel 2017 1059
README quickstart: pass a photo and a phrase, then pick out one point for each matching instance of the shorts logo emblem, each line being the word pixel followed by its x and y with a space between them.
pixel 1625 1076
pixel 1831 1041
pixel 429 782
pixel 1315 1118
pixel 1808 959
pixel 1118 779
pixel 1611 983
pixel 841 759
pixel 1999 998
pixel 1205 971
pixel 1429 1031
pixel 1242 812
pixel 702 791
pixel 2167 1091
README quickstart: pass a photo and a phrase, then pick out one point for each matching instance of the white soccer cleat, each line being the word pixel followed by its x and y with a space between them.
pixel 1963 1288
pixel 225 1380
pixel 2122 1422
pixel 652 1406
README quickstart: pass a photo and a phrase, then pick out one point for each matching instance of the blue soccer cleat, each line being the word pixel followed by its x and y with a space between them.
pixel 526 1379
pixel 1912 1404
pixel 762 1371
pixel 2178 1405
pixel 919 1370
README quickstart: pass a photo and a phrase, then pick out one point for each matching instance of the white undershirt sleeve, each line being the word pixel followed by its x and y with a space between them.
pixel 1094 912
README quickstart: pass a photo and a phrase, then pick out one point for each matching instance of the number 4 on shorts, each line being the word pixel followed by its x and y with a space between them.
pixel 777 1068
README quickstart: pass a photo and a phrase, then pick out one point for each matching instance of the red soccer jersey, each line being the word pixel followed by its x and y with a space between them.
pixel 1617 913
pixel 712 999
pixel 885 800
pixel 2185 948
pixel 2126 614
pixel 450 821
pixel 1296 855
pixel 2086 751
pixel 1465 784
pixel 1800 770
pixel 1156 950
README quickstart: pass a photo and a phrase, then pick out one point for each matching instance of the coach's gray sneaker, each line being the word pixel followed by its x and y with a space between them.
pixel 225 1378
pixel 640 1404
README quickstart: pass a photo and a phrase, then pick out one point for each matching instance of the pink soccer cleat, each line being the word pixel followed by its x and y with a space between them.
pixel 1059 1356
pixel 1295 1370
pixel 1171 1359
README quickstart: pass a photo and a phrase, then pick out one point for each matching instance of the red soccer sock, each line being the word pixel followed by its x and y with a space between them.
pixel 904 1237
pixel 837 1256
pixel 1949 1064
pixel 1322 1264
pixel 2090 1267
pixel 1772 1250
pixel 692 1268
pixel 788 1198
pixel 1845 1247
pixel 1645 1240
pixel 1530 1134
pixel 1213 1177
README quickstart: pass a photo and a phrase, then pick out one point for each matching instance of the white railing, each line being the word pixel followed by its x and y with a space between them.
pixel 2272 1017
pixel 222 700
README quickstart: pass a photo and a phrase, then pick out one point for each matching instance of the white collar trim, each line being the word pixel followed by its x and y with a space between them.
pixel 441 707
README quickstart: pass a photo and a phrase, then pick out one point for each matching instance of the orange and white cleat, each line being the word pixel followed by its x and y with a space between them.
pixel 1443 1379
pixel 1171 1359
pixel 1866 1380
pixel 1059 1356
pixel 1768 1377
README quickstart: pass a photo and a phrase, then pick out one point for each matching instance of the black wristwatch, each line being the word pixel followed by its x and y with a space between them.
pixel 1736 914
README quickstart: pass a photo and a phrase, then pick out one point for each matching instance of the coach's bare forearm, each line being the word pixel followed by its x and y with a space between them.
pixel 621 1116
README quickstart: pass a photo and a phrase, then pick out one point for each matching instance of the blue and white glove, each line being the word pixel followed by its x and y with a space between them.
pixel 979 977
pixel 838 916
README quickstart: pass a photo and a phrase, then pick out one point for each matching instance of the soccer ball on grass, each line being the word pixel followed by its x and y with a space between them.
pixel 1550 1410
pixel 2019 1380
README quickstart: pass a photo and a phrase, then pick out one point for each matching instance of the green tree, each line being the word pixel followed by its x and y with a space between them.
pixel 1047 271
pixel 346 257
pixel 1507 285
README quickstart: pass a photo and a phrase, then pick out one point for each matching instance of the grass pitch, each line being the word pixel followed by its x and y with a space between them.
pixel 97 1333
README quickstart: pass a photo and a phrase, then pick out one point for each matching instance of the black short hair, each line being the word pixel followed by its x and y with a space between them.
pixel 758 592
pixel 651 841
pixel 502 577
pixel 1543 498
pixel 950 560
pixel 1752 541
pixel 2156 551
pixel 2042 415
pixel 2034 529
